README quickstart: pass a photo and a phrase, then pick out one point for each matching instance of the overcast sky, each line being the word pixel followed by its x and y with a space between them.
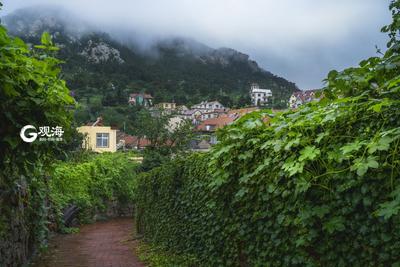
pixel 300 40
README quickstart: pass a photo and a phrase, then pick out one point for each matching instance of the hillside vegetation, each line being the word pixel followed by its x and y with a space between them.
pixel 176 69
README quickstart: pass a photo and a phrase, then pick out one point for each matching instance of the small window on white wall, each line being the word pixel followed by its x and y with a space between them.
pixel 102 139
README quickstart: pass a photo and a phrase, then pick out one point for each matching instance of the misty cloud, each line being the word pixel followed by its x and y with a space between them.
pixel 300 40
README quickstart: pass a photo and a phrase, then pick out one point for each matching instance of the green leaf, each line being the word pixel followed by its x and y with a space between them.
pixel 378 107
pixel 46 39
pixel 309 153
pixel 293 167
pixel 383 144
pixel 352 147
pixel 292 143
pixel 302 186
pixel 320 136
pixel 362 165
pixel 335 224
pixel 388 209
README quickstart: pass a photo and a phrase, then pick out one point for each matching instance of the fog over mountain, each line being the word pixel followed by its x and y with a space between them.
pixel 299 40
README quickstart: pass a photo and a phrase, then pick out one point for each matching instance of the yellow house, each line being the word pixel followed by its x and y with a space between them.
pixel 99 138
pixel 165 105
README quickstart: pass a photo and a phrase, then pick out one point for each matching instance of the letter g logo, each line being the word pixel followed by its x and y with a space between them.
pixel 31 136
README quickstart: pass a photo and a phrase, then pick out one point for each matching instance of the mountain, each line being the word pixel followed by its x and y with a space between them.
pixel 176 69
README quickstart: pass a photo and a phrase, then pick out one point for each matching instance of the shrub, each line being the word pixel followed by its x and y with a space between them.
pixel 31 93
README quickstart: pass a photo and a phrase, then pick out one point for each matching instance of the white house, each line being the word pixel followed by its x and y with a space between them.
pixel 259 96
pixel 212 105
pixel 194 115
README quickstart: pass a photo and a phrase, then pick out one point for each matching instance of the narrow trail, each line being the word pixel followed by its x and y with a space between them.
pixel 102 244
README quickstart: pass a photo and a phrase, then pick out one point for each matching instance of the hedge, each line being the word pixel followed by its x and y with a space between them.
pixel 316 187
pixel 93 184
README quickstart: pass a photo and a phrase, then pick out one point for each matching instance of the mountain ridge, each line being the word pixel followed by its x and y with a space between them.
pixel 173 69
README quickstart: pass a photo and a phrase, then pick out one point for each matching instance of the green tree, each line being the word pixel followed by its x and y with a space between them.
pixel 164 141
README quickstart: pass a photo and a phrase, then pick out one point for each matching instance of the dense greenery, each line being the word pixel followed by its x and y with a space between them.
pixel 31 93
pixel 166 138
pixel 177 70
pixel 34 191
pixel 316 187
pixel 158 257
pixel 93 183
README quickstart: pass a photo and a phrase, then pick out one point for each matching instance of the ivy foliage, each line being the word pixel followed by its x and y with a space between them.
pixel 315 187
pixel 31 93
pixel 318 187
pixel 93 183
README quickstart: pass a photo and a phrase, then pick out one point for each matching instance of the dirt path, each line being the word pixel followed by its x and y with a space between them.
pixel 102 244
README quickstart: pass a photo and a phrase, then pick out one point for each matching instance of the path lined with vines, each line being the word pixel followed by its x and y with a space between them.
pixel 102 244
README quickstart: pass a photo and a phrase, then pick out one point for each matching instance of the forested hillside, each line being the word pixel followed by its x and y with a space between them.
pixel 180 70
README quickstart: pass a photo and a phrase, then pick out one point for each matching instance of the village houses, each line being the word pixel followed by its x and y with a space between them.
pixel 302 97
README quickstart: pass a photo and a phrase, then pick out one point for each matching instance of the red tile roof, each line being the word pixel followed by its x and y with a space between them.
pixel 144 95
pixel 132 140
pixel 242 111
pixel 216 123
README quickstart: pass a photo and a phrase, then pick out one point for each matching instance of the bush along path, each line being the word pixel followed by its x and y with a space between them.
pixel 102 244
pixel 315 187
pixel 31 94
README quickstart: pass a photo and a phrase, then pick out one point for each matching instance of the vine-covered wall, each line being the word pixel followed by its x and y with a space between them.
pixel 318 187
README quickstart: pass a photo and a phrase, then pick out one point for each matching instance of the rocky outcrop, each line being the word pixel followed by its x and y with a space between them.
pixel 101 52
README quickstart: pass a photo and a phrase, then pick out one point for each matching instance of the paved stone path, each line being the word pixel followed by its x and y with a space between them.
pixel 102 244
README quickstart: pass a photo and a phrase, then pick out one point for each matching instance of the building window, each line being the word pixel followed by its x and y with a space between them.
pixel 102 139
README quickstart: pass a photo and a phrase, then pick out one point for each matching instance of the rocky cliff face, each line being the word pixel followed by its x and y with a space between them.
pixel 101 52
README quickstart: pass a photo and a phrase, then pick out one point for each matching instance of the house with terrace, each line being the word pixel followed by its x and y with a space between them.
pixel 98 137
